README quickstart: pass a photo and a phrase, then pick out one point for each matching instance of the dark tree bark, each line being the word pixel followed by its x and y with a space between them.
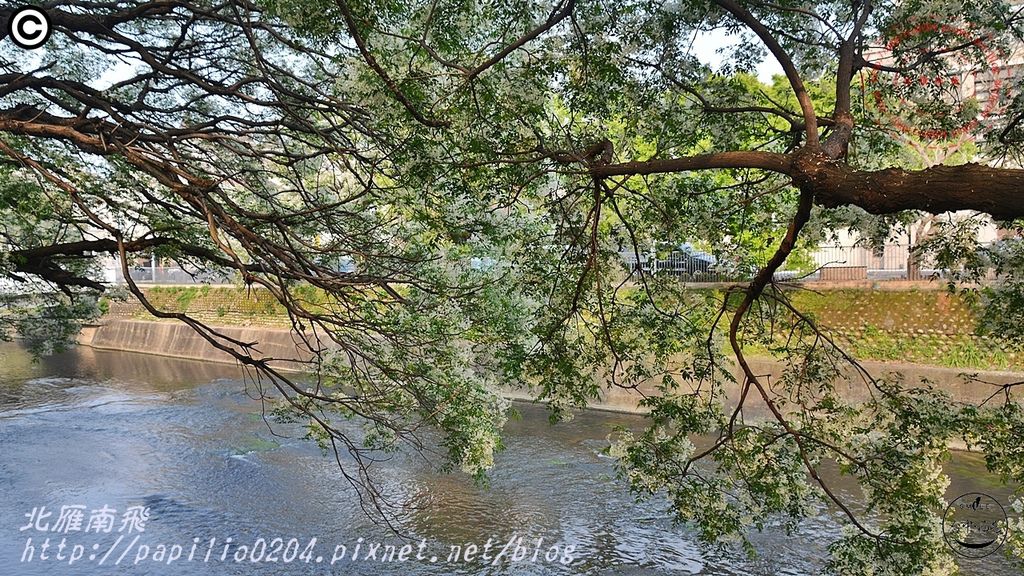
pixel 995 191
pixel 998 192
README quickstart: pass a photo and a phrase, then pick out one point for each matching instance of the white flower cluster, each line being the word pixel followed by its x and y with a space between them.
pixel 1015 529
pixel 484 438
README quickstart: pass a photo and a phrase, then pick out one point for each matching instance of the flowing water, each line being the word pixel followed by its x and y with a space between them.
pixel 183 439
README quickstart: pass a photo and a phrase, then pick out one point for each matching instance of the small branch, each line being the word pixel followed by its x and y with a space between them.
pixel 792 74
pixel 558 13
pixel 371 61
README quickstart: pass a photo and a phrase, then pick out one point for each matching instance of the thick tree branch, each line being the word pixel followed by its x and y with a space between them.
pixel 998 192
pixel 836 145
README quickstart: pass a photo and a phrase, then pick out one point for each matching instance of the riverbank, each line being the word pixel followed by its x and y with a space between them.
pixel 915 323
pixel 176 340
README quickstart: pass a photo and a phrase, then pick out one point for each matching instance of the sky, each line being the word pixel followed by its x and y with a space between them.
pixel 715 46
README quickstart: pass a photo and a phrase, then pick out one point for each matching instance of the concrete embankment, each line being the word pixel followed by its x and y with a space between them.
pixel 177 340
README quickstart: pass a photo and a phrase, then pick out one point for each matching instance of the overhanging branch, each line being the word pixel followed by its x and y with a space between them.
pixel 998 192
pixel 740 159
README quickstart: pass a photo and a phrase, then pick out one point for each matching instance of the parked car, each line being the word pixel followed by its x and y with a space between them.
pixel 685 262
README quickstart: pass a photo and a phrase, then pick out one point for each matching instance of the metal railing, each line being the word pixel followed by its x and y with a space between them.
pixel 835 263
pixel 175 275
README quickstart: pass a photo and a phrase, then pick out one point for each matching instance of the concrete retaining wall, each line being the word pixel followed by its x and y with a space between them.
pixel 178 340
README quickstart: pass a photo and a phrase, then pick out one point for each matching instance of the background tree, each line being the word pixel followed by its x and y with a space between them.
pixel 483 165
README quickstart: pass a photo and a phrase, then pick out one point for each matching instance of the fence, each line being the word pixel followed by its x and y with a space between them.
pixel 827 264
pixel 891 262
pixel 174 275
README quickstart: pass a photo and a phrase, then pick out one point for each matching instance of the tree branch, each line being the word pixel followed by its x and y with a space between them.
pixel 998 192
pixel 560 12
pixel 740 159
pixel 792 74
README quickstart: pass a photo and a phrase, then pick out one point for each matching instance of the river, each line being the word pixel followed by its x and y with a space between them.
pixel 184 439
